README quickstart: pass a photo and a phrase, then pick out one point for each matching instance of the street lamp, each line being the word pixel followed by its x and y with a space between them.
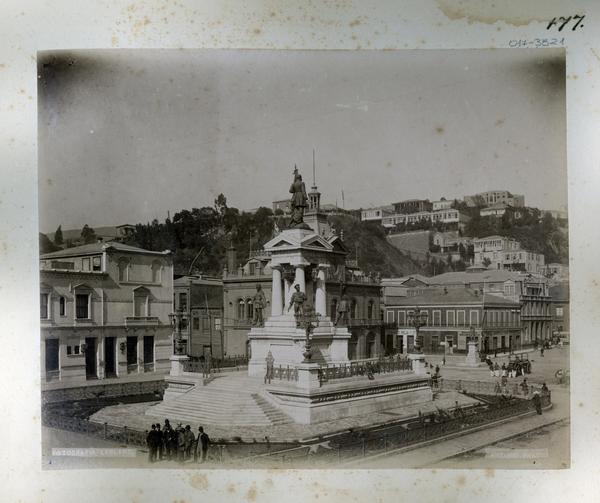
pixel 176 320
pixel 417 319
pixel 308 321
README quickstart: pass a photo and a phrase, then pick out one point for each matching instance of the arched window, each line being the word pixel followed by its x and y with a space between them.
pixel 241 309
pixel 249 309
pixel 156 272
pixel 370 309
pixel 333 308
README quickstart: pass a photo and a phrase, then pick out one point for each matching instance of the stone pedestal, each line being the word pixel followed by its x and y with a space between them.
pixel 286 342
pixel 308 376
pixel 418 363
pixel 472 359
pixel 177 362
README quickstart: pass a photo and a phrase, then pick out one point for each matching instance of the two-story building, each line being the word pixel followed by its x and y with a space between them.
pixel 505 253
pixel 200 298
pixel 104 311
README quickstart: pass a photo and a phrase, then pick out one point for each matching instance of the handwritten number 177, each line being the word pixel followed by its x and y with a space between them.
pixel 561 22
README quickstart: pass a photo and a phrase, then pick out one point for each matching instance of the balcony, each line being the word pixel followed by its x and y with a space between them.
pixel 141 321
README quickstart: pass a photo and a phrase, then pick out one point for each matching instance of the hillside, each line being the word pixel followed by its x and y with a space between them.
pixel 415 244
pixel 375 253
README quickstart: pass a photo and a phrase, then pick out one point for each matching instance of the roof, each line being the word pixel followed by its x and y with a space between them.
pixel 94 248
pixel 463 277
pixel 400 281
pixel 439 297
pixel 202 280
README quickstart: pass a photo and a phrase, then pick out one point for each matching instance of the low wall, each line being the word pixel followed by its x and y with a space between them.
pixel 104 391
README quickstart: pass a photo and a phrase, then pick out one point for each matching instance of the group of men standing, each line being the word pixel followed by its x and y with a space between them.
pixel 176 444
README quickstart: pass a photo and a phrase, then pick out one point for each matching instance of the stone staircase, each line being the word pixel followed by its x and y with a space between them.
pixel 228 399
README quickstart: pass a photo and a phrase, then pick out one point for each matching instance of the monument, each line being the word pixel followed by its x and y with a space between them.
pixel 310 348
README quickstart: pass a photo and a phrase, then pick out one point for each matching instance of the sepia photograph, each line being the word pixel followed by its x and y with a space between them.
pixel 261 259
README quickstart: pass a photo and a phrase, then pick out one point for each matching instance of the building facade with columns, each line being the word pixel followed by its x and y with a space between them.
pixel 104 313
pixel 365 324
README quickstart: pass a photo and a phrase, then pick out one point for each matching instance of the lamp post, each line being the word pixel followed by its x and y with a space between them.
pixel 176 320
pixel 417 319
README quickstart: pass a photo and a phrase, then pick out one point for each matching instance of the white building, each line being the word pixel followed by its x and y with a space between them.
pixel 104 313
pixel 506 253
pixel 442 204
pixel 450 216
pixel 375 214
pixel 493 197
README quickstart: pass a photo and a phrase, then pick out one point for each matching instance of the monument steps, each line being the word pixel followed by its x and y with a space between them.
pixel 231 399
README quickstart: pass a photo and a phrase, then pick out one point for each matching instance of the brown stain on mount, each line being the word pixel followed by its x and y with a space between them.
pixel 199 481
pixel 491 12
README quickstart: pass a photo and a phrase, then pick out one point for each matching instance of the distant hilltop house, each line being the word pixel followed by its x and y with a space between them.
pixel 376 214
pixel 493 197
pixel 104 234
pixel 498 252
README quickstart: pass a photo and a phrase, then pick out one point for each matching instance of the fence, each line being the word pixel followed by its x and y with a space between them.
pixel 362 368
pixel 286 373
pixel 214 365
pixel 492 388
pixel 422 429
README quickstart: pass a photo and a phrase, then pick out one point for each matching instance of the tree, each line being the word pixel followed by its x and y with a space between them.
pixel 88 234
pixel 47 246
pixel 486 262
pixel 58 236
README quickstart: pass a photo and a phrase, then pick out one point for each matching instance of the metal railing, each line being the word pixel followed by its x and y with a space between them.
pixel 493 388
pixel 280 372
pixel 364 368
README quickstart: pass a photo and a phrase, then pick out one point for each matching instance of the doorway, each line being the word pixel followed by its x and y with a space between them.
pixel 148 353
pixel 132 363
pixel 91 371
pixel 110 367
pixel 52 370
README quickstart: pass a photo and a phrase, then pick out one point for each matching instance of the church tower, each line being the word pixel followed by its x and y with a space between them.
pixel 313 216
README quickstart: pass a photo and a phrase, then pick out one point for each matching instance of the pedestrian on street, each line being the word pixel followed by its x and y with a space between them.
pixel 542 351
pixel 202 445
pixel 159 442
pixel 503 369
pixel 496 370
pixel 180 443
pixel 189 441
pixel 537 401
pixel 151 441
pixel 525 387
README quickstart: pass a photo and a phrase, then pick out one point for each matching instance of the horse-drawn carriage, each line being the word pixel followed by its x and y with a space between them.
pixel 520 363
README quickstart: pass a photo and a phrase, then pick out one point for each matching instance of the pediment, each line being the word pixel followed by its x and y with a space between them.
pixel 281 244
pixel 316 241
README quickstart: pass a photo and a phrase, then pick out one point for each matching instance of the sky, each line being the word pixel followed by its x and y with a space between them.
pixel 125 136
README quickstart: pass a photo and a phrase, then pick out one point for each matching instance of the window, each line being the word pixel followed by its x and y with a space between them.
pixel 370 310
pixel 73 350
pixel 437 318
pixel 156 272
pixel 206 323
pixel 401 318
pixel 140 303
pixel 96 264
pixel 559 311
pixel 217 323
pixel 450 318
pixel 354 309
pixel 196 323
pixel 82 306
pixel 123 270
pixel 390 316
pixel 85 264
pixel 249 309
pixel 44 310
pixel 62 306
pixel 474 317
pixel 241 311
pixel 183 301
pixel 333 308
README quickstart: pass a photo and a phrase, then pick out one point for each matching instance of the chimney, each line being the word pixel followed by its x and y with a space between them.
pixel 231 259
